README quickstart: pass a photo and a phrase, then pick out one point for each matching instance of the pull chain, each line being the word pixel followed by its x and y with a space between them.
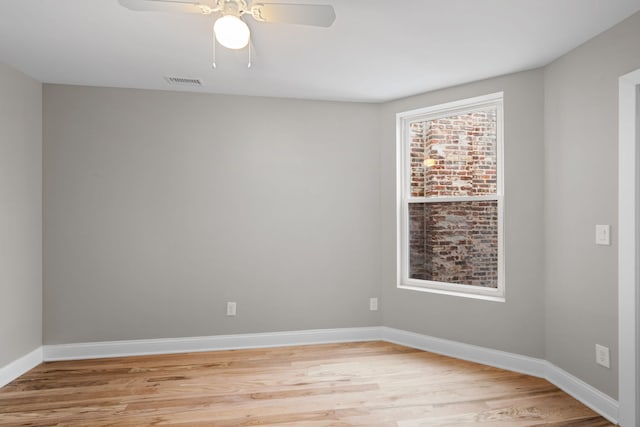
pixel 213 49
pixel 250 52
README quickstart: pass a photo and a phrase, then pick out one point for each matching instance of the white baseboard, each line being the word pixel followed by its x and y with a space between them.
pixel 593 398
pixel 20 366
pixel 590 396
pixel 211 343
pixel 486 356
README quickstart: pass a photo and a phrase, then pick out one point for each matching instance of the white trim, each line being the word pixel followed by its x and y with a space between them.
pixel 448 289
pixel 403 183
pixel 473 353
pixel 20 366
pixel 211 343
pixel 628 249
pixel 596 400
pixel 453 289
pixel 590 396
pixel 453 107
pixel 446 199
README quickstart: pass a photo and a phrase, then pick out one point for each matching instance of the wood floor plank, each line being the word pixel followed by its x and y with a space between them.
pixel 373 384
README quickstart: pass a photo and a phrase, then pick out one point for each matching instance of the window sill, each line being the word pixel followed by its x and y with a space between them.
pixel 453 293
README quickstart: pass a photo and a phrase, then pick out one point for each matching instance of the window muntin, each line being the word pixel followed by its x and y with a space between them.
pixel 451 198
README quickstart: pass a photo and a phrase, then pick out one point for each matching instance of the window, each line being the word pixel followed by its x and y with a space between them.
pixel 450 205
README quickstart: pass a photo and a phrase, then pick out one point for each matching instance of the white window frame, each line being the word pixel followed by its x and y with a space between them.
pixel 403 137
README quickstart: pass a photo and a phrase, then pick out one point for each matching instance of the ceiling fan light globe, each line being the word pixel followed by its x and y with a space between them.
pixel 231 32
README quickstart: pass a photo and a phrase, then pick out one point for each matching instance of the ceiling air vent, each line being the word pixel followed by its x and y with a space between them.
pixel 183 81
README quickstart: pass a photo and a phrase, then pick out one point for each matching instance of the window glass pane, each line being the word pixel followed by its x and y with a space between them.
pixel 454 155
pixel 454 242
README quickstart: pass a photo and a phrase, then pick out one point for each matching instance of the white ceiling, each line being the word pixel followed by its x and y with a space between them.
pixel 376 50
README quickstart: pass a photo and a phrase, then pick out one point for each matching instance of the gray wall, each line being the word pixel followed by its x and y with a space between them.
pixel 162 206
pixel 581 123
pixel 20 214
pixel 518 324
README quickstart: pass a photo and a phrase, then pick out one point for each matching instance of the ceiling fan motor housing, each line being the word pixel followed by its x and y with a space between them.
pixel 233 7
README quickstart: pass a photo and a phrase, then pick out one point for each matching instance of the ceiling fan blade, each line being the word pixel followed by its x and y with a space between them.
pixel 303 14
pixel 175 6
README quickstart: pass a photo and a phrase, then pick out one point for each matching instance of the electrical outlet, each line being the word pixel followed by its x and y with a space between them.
pixel 602 356
pixel 231 309
pixel 373 304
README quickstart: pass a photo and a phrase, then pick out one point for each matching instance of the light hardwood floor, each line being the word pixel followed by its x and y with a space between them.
pixel 373 384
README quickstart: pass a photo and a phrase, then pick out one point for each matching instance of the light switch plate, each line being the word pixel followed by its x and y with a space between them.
pixel 231 309
pixel 603 234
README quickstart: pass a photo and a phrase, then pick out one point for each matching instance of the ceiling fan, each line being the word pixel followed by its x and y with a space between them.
pixel 229 28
